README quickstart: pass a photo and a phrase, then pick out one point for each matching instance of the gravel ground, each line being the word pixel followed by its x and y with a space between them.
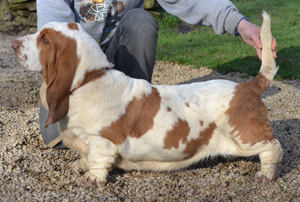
pixel 29 171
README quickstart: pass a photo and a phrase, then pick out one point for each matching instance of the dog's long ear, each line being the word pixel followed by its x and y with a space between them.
pixel 59 60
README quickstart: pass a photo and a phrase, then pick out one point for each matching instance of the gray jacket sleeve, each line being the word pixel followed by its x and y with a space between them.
pixel 51 11
pixel 222 15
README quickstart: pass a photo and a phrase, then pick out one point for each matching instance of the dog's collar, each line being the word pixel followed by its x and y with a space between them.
pixel 90 77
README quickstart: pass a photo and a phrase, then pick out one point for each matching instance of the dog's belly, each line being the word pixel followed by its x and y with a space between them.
pixel 148 150
pixel 149 155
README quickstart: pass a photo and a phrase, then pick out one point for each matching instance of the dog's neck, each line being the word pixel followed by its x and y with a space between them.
pixel 92 63
pixel 90 76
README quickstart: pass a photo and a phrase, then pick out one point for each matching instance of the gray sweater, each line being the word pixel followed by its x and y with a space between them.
pixel 100 19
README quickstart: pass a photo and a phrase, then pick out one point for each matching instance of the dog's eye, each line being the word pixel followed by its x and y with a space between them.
pixel 43 39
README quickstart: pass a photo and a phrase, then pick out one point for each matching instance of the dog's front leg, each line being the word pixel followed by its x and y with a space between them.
pixel 73 138
pixel 101 158
pixel 97 155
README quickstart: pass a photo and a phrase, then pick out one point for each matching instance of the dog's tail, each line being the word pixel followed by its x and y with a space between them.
pixel 268 67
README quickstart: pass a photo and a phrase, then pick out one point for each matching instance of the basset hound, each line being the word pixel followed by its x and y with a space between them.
pixel 115 120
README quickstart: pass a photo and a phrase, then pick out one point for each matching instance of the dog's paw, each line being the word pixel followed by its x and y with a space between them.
pixel 78 167
pixel 93 181
pixel 260 177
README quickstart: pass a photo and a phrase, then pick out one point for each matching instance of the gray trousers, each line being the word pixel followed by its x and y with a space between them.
pixel 132 50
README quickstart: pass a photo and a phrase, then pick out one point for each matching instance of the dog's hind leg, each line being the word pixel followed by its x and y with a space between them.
pixel 268 160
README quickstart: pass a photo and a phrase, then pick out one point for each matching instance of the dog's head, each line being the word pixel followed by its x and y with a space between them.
pixel 66 56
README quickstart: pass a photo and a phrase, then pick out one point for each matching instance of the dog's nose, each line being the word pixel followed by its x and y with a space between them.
pixel 15 44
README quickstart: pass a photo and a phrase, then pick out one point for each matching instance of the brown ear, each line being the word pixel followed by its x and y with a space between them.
pixel 59 59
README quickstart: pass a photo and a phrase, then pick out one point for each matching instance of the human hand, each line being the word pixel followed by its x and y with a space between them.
pixel 251 35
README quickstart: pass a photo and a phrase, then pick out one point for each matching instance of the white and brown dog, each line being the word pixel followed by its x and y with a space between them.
pixel 112 119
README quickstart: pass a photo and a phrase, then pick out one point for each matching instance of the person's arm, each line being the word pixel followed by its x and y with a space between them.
pixel 54 11
pixel 222 15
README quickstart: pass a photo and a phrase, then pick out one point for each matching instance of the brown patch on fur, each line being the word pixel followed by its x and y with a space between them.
pixel 58 57
pixel 274 142
pixel 137 120
pixel 25 57
pixel 248 115
pixel 180 132
pixel 169 109
pixel 88 77
pixel 201 123
pixel 187 104
pixel 259 84
pixel 73 25
pixel 193 145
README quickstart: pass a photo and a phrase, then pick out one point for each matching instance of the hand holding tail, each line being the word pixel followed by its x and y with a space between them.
pixel 251 35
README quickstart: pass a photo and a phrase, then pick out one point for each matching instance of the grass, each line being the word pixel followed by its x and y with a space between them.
pixel 226 53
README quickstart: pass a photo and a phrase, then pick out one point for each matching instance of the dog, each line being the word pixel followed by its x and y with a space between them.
pixel 115 120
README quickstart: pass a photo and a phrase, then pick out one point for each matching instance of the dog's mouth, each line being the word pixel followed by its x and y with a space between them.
pixel 16 45
pixel 22 59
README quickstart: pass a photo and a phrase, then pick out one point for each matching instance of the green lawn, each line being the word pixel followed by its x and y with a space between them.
pixel 226 53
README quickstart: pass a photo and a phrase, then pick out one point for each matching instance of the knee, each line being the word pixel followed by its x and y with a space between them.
pixel 137 21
